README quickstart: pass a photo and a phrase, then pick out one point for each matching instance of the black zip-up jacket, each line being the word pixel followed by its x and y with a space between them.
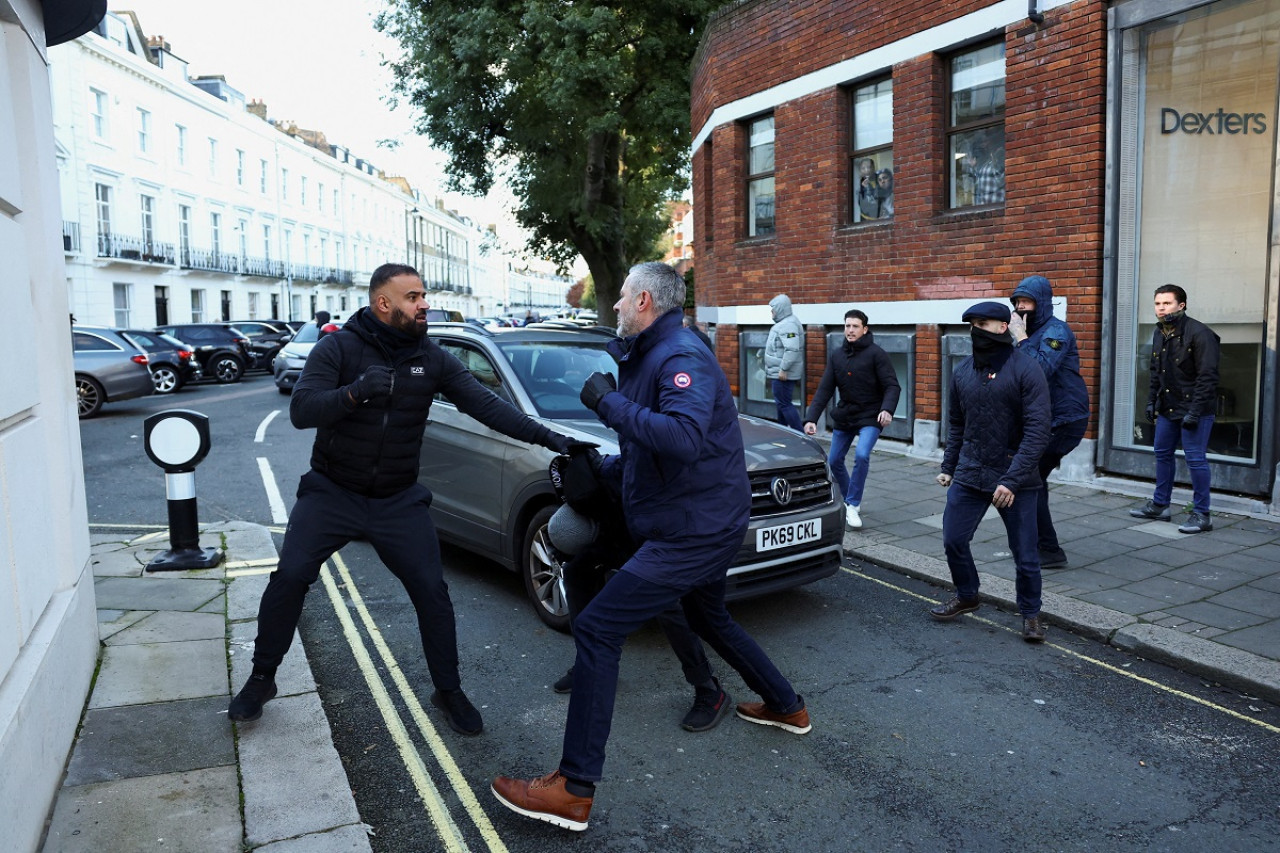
pixel 867 382
pixel 1184 370
pixel 373 448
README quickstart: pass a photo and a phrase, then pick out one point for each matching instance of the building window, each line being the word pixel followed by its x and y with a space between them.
pixel 975 126
pixel 184 233
pixel 266 242
pixel 871 154
pixel 120 297
pixel 320 196
pixel 182 145
pixel 215 233
pixel 102 197
pixel 147 206
pixel 197 306
pixel 253 305
pixel 144 131
pixel 98 109
pixel 239 168
pixel 262 177
pixel 302 190
pixel 243 229
pixel 213 157
pixel 284 184
pixel 335 203
pixel 760 217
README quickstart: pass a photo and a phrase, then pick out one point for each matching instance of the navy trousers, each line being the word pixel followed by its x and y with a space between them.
pixel 325 518
pixel 960 520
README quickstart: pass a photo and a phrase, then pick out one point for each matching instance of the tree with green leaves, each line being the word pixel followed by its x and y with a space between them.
pixel 582 106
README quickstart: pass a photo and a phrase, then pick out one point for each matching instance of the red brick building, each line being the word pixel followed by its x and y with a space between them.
pixel 1053 137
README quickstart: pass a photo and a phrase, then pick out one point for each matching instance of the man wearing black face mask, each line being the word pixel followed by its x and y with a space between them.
pixel 999 424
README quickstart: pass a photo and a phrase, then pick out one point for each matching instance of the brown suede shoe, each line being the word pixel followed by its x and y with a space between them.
pixel 544 798
pixel 797 722
pixel 954 607
pixel 1033 629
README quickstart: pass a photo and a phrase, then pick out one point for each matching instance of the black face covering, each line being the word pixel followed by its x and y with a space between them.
pixel 988 346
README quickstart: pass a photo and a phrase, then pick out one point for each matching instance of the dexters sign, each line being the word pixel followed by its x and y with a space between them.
pixel 1216 123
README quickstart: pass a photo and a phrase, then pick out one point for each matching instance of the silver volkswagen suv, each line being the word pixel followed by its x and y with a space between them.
pixel 493 495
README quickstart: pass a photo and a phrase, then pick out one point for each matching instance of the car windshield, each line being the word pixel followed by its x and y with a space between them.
pixel 553 373
pixel 308 334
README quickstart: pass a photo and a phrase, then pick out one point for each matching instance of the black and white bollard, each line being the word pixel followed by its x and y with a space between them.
pixel 177 441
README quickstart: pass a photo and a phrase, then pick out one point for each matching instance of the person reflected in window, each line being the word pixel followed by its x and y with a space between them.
pixel 884 193
pixel 985 170
pixel 868 190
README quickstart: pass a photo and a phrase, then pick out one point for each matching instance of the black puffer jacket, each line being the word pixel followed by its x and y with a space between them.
pixel 867 382
pixel 1184 369
pixel 372 448
pixel 999 424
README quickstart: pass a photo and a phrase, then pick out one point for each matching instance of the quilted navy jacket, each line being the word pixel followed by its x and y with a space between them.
pixel 999 425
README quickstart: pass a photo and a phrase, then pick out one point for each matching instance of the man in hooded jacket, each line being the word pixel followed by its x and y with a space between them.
pixel 367 390
pixel 784 358
pixel 1052 344
pixel 869 393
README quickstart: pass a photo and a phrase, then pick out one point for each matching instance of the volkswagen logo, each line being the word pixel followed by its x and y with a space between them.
pixel 781 491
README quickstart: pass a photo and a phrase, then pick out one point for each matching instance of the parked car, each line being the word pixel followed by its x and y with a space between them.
pixel 108 368
pixel 265 340
pixel 173 364
pixel 443 315
pixel 292 357
pixel 222 350
pixel 493 495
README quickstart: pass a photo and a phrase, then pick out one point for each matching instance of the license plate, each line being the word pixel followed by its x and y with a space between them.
pixel 786 535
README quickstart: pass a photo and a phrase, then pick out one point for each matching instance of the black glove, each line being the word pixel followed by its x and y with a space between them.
pixel 1150 413
pixel 376 381
pixel 594 389
pixel 564 444
pixel 1190 421
pixel 576 478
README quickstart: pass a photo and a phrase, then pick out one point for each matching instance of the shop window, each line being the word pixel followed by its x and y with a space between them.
pixel 760 211
pixel 975 126
pixel 755 391
pixel 871 154
pixel 1198 95
pixel 901 349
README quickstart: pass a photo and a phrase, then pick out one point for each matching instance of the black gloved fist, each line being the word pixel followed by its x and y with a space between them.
pixel 564 444
pixel 1190 421
pixel 376 381
pixel 1150 413
pixel 594 389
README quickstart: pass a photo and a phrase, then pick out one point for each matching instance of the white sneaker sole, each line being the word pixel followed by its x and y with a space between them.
pixel 562 822
pixel 795 730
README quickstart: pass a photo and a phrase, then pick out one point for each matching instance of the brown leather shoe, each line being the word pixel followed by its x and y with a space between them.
pixel 544 798
pixel 1033 629
pixel 954 607
pixel 797 722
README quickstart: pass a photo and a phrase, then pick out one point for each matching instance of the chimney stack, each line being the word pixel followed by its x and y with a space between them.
pixel 258 108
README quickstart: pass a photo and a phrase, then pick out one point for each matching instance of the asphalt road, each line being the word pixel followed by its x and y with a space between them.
pixel 926 737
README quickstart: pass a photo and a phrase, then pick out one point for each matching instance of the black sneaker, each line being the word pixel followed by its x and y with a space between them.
pixel 1055 559
pixel 565 683
pixel 257 691
pixel 459 713
pixel 709 708
pixel 1197 522
pixel 1152 511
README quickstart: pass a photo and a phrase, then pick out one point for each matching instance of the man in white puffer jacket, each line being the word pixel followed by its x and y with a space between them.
pixel 784 359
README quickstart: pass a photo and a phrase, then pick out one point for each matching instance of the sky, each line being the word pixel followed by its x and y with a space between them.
pixel 317 64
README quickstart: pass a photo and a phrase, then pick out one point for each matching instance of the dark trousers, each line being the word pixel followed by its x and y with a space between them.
pixel 1064 439
pixel 787 414
pixel 625 604
pixel 325 518
pixel 960 520
pixel 1195 444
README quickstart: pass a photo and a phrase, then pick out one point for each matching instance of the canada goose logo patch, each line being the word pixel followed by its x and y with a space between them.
pixel 682 380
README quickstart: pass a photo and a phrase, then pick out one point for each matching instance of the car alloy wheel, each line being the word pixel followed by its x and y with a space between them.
pixel 165 378
pixel 89 396
pixel 544 573
pixel 227 368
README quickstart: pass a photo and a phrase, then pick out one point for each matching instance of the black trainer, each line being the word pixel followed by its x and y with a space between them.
pixel 709 708
pixel 564 684
pixel 1197 522
pixel 1151 510
pixel 459 713
pixel 1055 559
pixel 257 691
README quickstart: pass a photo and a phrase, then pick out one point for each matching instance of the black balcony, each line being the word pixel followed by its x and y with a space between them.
pixel 206 261
pixel 135 249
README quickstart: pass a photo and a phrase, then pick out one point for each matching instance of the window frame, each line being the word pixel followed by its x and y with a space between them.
pixel 99 110
pixel 750 178
pixel 144 131
pixel 857 155
pixel 973 127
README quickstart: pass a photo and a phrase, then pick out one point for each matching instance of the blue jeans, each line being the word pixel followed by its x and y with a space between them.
pixel 1195 443
pixel 626 603
pixel 787 414
pixel 1064 439
pixel 851 483
pixel 960 520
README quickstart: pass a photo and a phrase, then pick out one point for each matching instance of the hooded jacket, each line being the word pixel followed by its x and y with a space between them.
pixel 1052 344
pixel 373 448
pixel 681 463
pixel 784 349
pixel 868 385
pixel 1184 369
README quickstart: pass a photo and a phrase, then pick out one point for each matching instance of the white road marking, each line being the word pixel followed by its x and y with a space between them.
pixel 279 514
pixel 262 427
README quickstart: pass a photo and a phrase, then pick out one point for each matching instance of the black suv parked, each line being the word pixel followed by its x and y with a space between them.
pixel 265 339
pixel 172 363
pixel 222 350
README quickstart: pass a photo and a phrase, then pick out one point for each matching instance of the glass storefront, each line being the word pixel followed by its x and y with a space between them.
pixel 1195 97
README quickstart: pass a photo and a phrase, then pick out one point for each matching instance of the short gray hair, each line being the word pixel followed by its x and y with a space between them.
pixel 662 282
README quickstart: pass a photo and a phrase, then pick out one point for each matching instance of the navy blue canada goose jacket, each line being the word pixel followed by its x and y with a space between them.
pixel 1052 344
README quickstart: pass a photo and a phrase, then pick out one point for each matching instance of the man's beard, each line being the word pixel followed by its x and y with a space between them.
pixel 405 323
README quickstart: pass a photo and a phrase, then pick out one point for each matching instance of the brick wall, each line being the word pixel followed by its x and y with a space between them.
pixel 1051 222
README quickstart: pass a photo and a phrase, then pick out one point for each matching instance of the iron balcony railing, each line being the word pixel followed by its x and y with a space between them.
pixel 135 249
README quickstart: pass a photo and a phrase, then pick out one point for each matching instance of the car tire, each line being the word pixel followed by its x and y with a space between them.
pixel 284 391
pixel 544 574
pixel 89 396
pixel 165 379
pixel 227 368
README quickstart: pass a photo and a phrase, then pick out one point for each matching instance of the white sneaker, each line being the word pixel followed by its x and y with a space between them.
pixel 851 516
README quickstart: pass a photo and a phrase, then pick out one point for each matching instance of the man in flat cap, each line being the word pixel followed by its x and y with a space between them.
pixel 999 423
